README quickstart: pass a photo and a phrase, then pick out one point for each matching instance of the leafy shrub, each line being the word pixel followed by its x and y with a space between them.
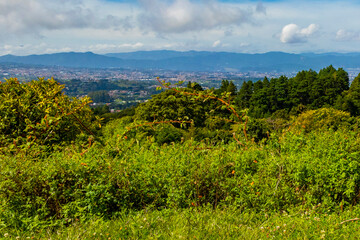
pixel 170 105
pixel 128 171
pixel 258 129
pixel 323 118
pixel 291 171
pixel 215 136
pixel 38 113
pixel 167 134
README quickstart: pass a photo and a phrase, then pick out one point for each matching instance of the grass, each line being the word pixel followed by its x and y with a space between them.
pixel 297 186
pixel 205 223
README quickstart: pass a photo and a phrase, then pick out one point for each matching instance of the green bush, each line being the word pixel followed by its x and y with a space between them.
pixel 291 171
pixel 323 118
pixel 153 166
pixel 38 113
pixel 167 134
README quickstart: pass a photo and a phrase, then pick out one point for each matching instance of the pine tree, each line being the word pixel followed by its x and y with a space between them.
pixel 244 95
pixel 231 88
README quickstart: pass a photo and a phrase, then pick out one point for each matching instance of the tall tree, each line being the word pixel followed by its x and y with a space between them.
pixel 281 93
pixel 334 82
pixel 259 102
pixel 350 100
pixel 244 95
pixel 231 88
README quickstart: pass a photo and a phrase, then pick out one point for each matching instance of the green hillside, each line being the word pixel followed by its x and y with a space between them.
pixel 278 158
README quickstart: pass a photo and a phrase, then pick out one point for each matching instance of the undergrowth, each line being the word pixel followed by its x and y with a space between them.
pixel 171 178
pixel 293 173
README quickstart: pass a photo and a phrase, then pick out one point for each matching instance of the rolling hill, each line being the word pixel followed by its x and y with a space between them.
pixel 192 60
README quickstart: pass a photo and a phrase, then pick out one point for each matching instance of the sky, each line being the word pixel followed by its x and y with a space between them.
pixel 110 26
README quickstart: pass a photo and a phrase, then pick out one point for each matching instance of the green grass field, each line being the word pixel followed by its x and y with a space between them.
pixel 205 223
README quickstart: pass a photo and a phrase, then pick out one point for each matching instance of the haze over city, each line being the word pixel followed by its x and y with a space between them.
pixel 104 26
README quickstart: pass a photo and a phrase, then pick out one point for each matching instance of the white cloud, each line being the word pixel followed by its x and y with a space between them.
pixel 33 17
pixel 292 33
pixel 216 43
pixel 104 25
pixel 45 48
pixel 56 50
pixel 180 16
pixel 22 49
pixel 344 35
pixel 107 48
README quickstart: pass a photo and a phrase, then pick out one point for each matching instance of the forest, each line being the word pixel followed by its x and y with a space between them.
pixel 277 158
pixel 117 94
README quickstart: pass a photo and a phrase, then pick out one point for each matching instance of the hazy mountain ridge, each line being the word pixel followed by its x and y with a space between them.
pixel 192 60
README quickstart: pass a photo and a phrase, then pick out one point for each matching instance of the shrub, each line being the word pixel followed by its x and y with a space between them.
pixel 323 118
pixel 167 134
pixel 39 113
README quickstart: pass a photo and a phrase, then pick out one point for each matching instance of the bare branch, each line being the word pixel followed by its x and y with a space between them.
pixel 350 220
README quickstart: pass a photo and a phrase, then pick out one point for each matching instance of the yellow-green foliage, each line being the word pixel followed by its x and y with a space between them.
pixel 39 113
pixel 294 172
pixel 323 118
pixel 207 223
pixel 289 172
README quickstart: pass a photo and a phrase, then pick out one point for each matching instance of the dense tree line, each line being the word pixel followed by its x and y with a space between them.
pixel 77 87
pixel 308 89
pixel 264 98
pixel 268 103
pixel 101 96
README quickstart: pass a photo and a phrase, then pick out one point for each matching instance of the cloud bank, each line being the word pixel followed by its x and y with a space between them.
pixel 19 17
pixel 345 35
pixel 292 33
pixel 180 16
pixel 40 26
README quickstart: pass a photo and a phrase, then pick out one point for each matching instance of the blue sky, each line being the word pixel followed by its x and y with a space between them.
pixel 103 26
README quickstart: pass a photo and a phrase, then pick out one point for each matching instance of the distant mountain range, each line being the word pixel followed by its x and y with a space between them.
pixel 192 61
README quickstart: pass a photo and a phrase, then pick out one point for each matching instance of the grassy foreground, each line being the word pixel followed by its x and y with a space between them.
pixel 297 185
pixel 205 223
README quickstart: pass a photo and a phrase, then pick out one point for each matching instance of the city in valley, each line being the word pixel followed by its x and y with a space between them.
pixel 208 79
pixel 136 85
